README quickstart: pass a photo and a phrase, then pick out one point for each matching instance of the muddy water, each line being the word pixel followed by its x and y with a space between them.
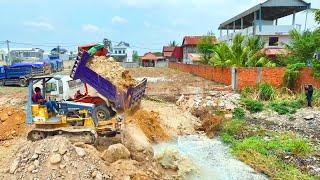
pixel 211 157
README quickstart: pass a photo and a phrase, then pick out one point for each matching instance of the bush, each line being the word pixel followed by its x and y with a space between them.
pixel 266 92
pixel 286 106
pixel 247 92
pixel 252 105
pixel 291 74
pixel 238 113
pixel 316 68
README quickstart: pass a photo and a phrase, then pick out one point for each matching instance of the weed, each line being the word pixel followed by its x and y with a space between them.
pixel 286 106
pixel 247 92
pixel 291 74
pixel 252 105
pixel 266 92
pixel 238 113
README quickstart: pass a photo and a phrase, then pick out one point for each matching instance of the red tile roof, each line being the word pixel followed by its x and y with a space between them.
pixel 194 40
pixel 167 51
pixel 149 56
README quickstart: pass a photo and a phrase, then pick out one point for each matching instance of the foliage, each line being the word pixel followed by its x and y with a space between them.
pixel 243 52
pixel 238 113
pixel 316 68
pixel 135 57
pixel 317 15
pixel 205 47
pixel 247 92
pixel 252 105
pixel 173 43
pixel 303 46
pixel 315 97
pixel 266 92
pixel 291 74
pixel 286 106
pixel 157 53
pixel 249 144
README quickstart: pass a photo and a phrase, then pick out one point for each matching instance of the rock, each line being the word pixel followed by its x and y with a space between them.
pixel 62 149
pixel 180 100
pixel 35 171
pixel 38 150
pixel 55 159
pixel 35 156
pixel 36 163
pixel 62 166
pixel 80 151
pixel 228 116
pixel 31 168
pixel 115 152
pixel 97 175
pixel 13 133
pixel 9 113
pixel 14 166
pixel 66 158
pixel 309 117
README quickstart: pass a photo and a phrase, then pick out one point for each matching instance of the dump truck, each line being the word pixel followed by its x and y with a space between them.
pixel 20 73
pixel 80 117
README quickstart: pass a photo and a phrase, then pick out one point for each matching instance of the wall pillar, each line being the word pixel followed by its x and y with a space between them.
pixel 234 26
pixel 220 32
pixel 254 23
pixel 276 22
pixel 241 23
pixel 234 78
pixel 260 19
pixel 294 18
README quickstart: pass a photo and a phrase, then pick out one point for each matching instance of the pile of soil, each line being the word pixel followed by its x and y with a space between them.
pixel 149 123
pixel 112 71
pixel 12 123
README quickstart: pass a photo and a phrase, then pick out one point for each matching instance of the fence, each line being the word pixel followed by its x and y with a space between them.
pixel 239 78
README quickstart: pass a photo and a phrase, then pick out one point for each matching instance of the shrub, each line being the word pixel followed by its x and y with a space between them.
pixel 238 113
pixel 266 92
pixel 291 74
pixel 247 92
pixel 252 105
pixel 286 106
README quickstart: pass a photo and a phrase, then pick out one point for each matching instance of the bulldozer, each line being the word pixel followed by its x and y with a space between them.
pixel 88 117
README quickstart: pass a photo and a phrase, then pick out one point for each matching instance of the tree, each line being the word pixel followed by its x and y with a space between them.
pixel 173 43
pixel 317 15
pixel 135 57
pixel 205 47
pixel 243 52
pixel 303 46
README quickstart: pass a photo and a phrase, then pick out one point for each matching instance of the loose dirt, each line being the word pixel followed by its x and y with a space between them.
pixel 149 123
pixel 112 71
pixel 12 123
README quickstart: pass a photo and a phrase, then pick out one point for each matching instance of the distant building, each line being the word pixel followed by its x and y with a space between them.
pixel 3 55
pixel 151 60
pixel 167 52
pixel 26 54
pixel 122 52
pixel 262 20
pixel 61 52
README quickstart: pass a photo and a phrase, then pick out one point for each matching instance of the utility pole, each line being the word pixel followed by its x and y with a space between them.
pixel 9 56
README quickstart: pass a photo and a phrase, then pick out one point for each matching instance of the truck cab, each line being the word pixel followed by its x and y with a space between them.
pixel 2 74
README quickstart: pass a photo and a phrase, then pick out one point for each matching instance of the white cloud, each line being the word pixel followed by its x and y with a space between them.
pixel 91 28
pixel 119 20
pixel 39 25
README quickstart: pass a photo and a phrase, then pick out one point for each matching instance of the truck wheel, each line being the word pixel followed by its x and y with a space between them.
pixel 23 82
pixel 101 113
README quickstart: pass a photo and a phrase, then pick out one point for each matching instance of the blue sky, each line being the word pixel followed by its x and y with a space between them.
pixel 146 24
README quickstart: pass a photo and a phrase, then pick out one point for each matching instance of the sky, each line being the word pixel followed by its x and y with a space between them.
pixel 146 25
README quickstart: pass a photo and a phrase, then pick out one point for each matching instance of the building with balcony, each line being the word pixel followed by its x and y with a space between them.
pixel 262 20
pixel 122 52
pixel 27 54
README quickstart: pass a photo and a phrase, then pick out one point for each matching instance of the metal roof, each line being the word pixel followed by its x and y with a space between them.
pixel 271 10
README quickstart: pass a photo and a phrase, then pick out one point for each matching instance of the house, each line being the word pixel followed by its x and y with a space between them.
pixel 3 55
pixel 27 54
pixel 151 60
pixel 122 52
pixel 177 54
pixel 262 20
pixel 167 52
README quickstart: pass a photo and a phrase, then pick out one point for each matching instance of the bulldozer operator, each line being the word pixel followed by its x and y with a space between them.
pixel 37 98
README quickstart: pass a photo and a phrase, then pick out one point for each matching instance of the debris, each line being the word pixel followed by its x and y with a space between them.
pixel 115 152
pixel 55 159
pixel 309 117
pixel 14 165
pixel 80 151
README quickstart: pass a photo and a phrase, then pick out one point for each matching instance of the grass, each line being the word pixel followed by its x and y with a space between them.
pixel 263 149
pixel 286 106
pixel 252 105
pixel 266 92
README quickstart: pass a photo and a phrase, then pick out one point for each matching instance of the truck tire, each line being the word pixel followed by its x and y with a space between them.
pixel 23 82
pixel 101 113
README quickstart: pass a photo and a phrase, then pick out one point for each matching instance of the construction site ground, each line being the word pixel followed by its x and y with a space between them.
pixel 161 140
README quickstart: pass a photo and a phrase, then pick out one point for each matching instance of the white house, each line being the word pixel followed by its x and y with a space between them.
pixel 262 20
pixel 122 52
pixel 27 54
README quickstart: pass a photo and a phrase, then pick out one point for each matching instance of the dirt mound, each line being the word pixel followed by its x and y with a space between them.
pixel 112 71
pixel 149 123
pixel 54 158
pixel 12 123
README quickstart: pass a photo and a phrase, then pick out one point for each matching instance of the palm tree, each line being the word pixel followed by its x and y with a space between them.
pixel 173 43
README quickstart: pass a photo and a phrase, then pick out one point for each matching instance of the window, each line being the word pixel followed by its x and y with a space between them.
pixel 51 87
pixel 273 41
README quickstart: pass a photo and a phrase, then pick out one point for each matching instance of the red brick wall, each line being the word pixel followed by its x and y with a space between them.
pixel 305 77
pixel 247 77
pixel 273 76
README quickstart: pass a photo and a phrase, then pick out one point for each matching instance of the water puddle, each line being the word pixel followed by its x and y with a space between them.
pixel 211 157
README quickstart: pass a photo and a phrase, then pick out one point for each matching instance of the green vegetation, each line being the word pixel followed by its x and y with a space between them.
pixel 266 92
pixel 244 52
pixel 135 57
pixel 286 106
pixel 238 113
pixel 316 68
pixel 173 43
pixel 317 15
pixel 291 74
pixel 264 150
pixel 206 46
pixel 252 105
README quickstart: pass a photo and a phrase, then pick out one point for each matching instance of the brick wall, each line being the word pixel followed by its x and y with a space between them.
pixel 247 76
